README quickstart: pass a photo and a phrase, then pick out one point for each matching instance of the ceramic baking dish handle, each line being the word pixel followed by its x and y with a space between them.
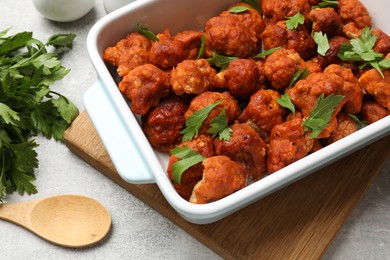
pixel 121 147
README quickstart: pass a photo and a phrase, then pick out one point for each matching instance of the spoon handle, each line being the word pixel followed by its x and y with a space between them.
pixel 17 213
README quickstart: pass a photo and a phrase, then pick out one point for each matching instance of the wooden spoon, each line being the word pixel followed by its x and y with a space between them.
pixel 65 220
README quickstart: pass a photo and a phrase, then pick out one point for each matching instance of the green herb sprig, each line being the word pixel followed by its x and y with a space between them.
pixel 361 50
pixel 238 9
pixel 266 52
pixel 322 42
pixel 321 115
pixel 220 61
pixel 286 102
pixel 358 120
pixel 147 33
pixel 300 74
pixel 202 46
pixel 195 121
pixel 188 158
pixel 28 106
pixel 294 21
pixel 219 126
pixel 327 3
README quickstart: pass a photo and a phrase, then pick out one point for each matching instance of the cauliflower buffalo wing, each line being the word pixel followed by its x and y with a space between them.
pixel 234 34
pixel 372 111
pixel 192 77
pixel 245 147
pixel 299 39
pixel 373 83
pixel 345 126
pixel 351 89
pixel 241 78
pixel 276 10
pixel 263 110
pixel 325 20
pixel 203 144
pixel 162 124
pixel 221 177
pixel 129 53
pixel 353 11
pixel 289 142
pixel 145 86
pixel 281 66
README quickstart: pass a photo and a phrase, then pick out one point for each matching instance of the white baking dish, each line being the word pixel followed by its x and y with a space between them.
pixel 132 155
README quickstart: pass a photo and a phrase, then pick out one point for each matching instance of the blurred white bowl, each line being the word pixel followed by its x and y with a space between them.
pixel 63 10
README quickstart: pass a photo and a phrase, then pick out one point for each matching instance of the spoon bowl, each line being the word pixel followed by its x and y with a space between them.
pixel 65 220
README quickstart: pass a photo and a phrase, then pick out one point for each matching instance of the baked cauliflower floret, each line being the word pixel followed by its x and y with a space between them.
pixel 281 66
pixel 144 86
pixel 289 142
pixel 325 20
pixel 276 10
pixel 192 41
pixel 192 77
pixel 345 126
pixel 372 111
pixel 354 11
pixel 221 177
pixel 128 53
pixel 373 83
pixel 263 110
pixel 168 51
pixel 299 39
pixel 245 147
pixel 241 78
pixel 351 88
pixel 203 145
pixel 233 34
pixel 162 124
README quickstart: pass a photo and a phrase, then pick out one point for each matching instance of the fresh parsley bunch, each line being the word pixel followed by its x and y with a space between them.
pixel 28 106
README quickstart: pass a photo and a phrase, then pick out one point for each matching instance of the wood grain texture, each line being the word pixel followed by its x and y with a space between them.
pixel 296 222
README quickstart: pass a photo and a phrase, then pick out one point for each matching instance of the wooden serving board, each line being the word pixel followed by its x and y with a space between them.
pixel 298 221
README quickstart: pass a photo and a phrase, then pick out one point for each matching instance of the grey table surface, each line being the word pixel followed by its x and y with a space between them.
pixel 138 232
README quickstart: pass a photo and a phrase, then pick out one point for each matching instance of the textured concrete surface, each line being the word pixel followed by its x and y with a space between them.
pixel 138 232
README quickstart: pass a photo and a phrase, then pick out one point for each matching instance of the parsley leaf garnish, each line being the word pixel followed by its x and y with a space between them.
pixel 361 50
pixel 147 33
pixel 285 101
pixel 300 74
pixel 320 116
pixel 238 9
pixel 294 21
pixel 357 120
pixel 27 106
pixel 322 42
pixel 385 63
pixel 267 52
pixel 219 126
pixel 220 61
pixel 327 3
pixel 201 49
pixel 188 158
pixel 195 121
